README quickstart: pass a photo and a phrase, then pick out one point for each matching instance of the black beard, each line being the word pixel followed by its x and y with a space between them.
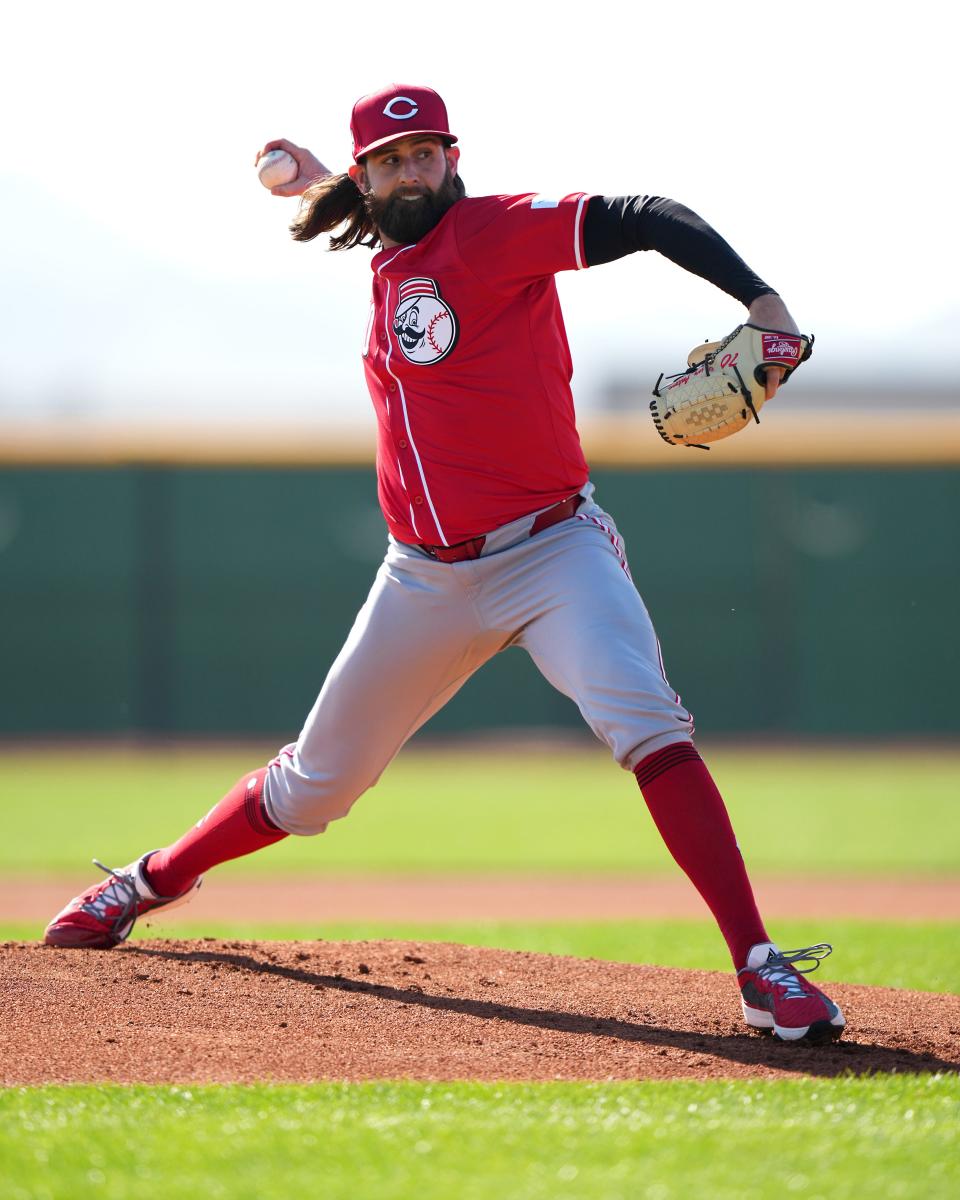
pixel 409 220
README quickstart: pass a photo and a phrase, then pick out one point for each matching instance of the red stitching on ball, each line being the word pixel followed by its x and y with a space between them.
pixel 433 320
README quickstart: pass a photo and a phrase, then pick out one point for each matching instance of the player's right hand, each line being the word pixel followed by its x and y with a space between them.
pixel 311 168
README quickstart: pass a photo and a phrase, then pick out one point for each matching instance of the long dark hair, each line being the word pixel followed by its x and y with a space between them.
pixel 336 200
pixel 330 202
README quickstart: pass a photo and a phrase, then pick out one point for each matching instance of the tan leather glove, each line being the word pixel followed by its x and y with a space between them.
pixel 724 385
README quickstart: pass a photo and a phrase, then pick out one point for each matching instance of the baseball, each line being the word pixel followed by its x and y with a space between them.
pixel 277 167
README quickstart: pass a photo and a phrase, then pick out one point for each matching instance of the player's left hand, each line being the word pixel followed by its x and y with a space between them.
pixel 774 377
pixel 771 312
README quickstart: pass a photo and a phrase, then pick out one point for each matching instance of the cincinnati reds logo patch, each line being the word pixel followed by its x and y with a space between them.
pixel 424 323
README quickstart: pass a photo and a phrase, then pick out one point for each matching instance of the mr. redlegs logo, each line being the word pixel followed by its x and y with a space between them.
pixel 424 323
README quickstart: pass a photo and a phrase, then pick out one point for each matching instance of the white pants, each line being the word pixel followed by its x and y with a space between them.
pixel 566 596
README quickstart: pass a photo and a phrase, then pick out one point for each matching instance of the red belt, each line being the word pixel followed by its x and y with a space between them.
pixel 473 548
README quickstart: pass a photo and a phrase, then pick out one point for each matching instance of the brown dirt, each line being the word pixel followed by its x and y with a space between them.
pixel 177 1011
pixel 507 898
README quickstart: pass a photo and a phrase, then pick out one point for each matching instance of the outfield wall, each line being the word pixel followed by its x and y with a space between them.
pixel 192 599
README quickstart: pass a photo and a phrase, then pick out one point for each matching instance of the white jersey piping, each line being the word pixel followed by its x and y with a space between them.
pixel 403 401
pixel 578 257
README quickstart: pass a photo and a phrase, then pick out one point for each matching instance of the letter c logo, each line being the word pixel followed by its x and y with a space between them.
pixel 401 116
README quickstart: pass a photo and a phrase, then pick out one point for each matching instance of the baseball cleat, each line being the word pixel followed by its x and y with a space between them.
pixel 776 998
pixel 105 914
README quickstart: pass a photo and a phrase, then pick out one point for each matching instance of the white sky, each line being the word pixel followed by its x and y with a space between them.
pixel 144 271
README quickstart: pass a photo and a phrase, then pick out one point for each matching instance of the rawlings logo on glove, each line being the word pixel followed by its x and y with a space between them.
pixel 724 385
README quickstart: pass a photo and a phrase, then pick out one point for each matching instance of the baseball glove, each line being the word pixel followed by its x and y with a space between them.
pixel 724 385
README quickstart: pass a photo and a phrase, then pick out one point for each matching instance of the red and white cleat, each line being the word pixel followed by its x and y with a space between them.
pixel 777 997
pixel 105 914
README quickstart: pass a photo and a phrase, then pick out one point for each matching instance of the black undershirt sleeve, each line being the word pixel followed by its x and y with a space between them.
pixel 619 225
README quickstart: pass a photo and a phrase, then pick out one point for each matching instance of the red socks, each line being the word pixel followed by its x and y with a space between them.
pixel 683 801
pixel 236 826
pixel 689 811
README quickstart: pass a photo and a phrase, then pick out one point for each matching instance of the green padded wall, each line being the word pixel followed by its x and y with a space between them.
pixel 211 601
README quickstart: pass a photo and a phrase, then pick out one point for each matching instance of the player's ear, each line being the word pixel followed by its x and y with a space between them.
pixel 359 176
pixel 453 157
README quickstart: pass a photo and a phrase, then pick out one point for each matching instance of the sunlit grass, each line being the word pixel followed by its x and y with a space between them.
pixel 890 1136
pixel 804 811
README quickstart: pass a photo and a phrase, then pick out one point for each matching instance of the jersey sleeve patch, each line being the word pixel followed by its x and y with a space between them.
pixel 544 202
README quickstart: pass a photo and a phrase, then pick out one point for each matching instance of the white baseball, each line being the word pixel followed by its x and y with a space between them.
pixel 277 167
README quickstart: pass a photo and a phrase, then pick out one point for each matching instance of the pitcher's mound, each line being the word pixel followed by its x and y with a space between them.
pixel 213 1011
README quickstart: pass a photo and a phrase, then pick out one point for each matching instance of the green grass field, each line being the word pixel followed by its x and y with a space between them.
pixel 804 811
pixel 824 1140
pixel 882 812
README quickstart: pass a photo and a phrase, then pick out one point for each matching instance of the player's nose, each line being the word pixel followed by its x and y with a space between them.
pixel 409 171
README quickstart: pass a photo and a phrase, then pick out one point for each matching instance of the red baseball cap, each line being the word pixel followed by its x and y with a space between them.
pixel 397 111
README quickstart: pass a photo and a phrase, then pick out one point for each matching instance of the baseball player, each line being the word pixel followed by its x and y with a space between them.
pixel 495 536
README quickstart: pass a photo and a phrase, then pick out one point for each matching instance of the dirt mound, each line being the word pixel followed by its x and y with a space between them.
pixel 188 1011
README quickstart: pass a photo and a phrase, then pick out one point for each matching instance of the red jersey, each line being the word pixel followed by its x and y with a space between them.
pixel 468 366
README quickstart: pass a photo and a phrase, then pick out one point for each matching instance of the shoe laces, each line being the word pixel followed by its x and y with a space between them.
pixel 120 892
pixel 782 968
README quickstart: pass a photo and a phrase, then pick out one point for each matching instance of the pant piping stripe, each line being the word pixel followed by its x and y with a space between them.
pixel 615 540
